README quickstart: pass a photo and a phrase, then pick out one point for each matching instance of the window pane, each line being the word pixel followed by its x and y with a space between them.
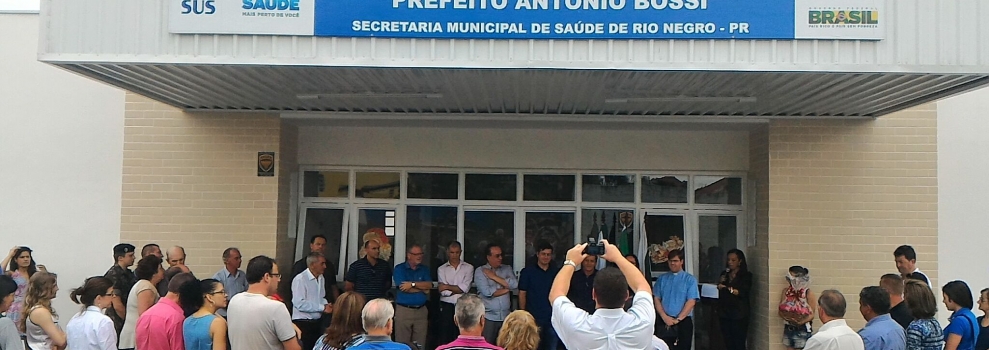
pixel 432 186
pixel 325 184
pixel 718 190
pixel 608 188
pixel 718 235
pixel 491 187
pixel 378 185
pixel 664 189
pixel 371 223
pixel 553 228
pixel 484 227
pixel 326 222
pixel 432 228
pixel 548 187
pixel 615 225
pixel 663 234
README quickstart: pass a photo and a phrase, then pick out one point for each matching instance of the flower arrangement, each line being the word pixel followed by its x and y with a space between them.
pixel 659 253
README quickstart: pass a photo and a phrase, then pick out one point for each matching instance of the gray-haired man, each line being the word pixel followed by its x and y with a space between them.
pixel 233 279
pixel 309 299
pixel 469 316
pixel 377 317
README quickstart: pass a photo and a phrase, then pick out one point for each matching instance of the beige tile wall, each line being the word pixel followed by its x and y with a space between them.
pixel 191 180
pixel 843 195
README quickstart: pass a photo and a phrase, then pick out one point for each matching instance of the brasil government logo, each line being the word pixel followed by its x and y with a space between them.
pixel 843 17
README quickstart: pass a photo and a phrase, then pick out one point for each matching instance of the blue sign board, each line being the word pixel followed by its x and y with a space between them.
pixel 557 19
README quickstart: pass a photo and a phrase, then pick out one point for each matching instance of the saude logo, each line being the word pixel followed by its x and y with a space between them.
pixel 277 5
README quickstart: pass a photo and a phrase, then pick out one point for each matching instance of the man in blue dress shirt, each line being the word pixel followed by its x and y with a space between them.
pixel 411 315
pixel 495 283
pixel 881 332
pixel 675 295
pixel 534 284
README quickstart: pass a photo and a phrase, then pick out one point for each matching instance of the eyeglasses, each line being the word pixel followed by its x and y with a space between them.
pixel 496 255
pixel 109 294
pixel 275 275
pixel 219 292
pixel 416 254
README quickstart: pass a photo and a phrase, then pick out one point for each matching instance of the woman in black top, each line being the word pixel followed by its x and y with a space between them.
pixel 733 300
pixel 982 342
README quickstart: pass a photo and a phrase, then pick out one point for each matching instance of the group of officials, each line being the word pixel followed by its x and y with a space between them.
pixel 314 286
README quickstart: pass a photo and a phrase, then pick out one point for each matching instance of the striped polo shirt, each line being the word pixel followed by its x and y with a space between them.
pixel 373 281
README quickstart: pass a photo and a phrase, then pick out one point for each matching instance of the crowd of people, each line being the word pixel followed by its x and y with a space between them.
pixel 573 304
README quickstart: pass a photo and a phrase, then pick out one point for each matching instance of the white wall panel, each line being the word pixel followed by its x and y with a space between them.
pixel 921 36
pixel 62 139
pixel 532 148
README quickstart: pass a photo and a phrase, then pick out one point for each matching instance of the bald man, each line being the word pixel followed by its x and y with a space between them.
pixel 175 256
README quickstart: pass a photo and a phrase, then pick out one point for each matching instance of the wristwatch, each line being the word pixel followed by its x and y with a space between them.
pixel 413 284
pixel 571 263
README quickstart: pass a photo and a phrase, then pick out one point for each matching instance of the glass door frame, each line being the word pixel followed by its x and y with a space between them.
pixel 689 237
pixel 740 233
pixel 300 235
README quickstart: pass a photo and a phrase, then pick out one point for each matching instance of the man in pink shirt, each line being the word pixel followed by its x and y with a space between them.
pixel 160 328
pixel 469 317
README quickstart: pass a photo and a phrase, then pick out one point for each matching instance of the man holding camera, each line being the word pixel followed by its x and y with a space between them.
pixel 610 327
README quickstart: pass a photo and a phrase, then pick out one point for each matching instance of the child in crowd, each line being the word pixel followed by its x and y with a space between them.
pixel 797 308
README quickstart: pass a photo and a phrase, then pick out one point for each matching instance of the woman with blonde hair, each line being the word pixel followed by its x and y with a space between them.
pixel 40 321
pixel 519 332
pixel 346 328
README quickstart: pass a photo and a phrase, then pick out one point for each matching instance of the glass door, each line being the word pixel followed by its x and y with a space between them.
pixel 717 233
pixel 376 223
pixel 664 231
pixel 553 227
pixel 483 227
pixel 329 222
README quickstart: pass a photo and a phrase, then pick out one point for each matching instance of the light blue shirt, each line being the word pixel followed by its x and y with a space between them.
pixel 674 290
pixel 495 308
pixel 882 333
pixel 232 284
pixel 308 296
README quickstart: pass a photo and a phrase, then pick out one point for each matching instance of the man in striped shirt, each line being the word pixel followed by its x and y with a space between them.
pixel 369 276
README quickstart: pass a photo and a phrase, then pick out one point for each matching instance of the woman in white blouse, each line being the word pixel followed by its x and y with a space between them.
pixel 90 329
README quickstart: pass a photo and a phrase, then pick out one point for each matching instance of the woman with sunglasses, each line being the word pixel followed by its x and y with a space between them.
pixel 204 330
pixel 90 329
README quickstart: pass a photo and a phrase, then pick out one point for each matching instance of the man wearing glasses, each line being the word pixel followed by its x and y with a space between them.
pixel 414 283
pixel 494 284
pixel 256 322
pixel 309 299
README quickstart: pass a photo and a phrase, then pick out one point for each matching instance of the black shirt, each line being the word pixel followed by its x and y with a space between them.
pixel 982 343
pixel 581 286
pixel 901 314
pixel 733 306
pixel 373 281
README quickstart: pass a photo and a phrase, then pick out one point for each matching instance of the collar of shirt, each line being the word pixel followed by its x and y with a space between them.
pixel 94 308
pixel 409 266
pixel 610 313
pixel 377 338
pixel 833 324
pixel 168 302
pixel 310 276
pixel 878 319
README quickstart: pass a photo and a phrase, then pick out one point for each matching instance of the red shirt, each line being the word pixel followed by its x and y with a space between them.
pixel 160 328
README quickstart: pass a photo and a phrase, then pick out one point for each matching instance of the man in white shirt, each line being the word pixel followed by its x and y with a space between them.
pixel 309 299
pixel 835 333
pixel 454 280
pixel 255 322
pixel 610 327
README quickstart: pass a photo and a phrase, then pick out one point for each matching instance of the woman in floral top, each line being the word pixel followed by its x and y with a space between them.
pixel 924 333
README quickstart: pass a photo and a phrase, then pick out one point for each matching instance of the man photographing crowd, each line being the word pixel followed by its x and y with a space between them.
pixel 610 327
